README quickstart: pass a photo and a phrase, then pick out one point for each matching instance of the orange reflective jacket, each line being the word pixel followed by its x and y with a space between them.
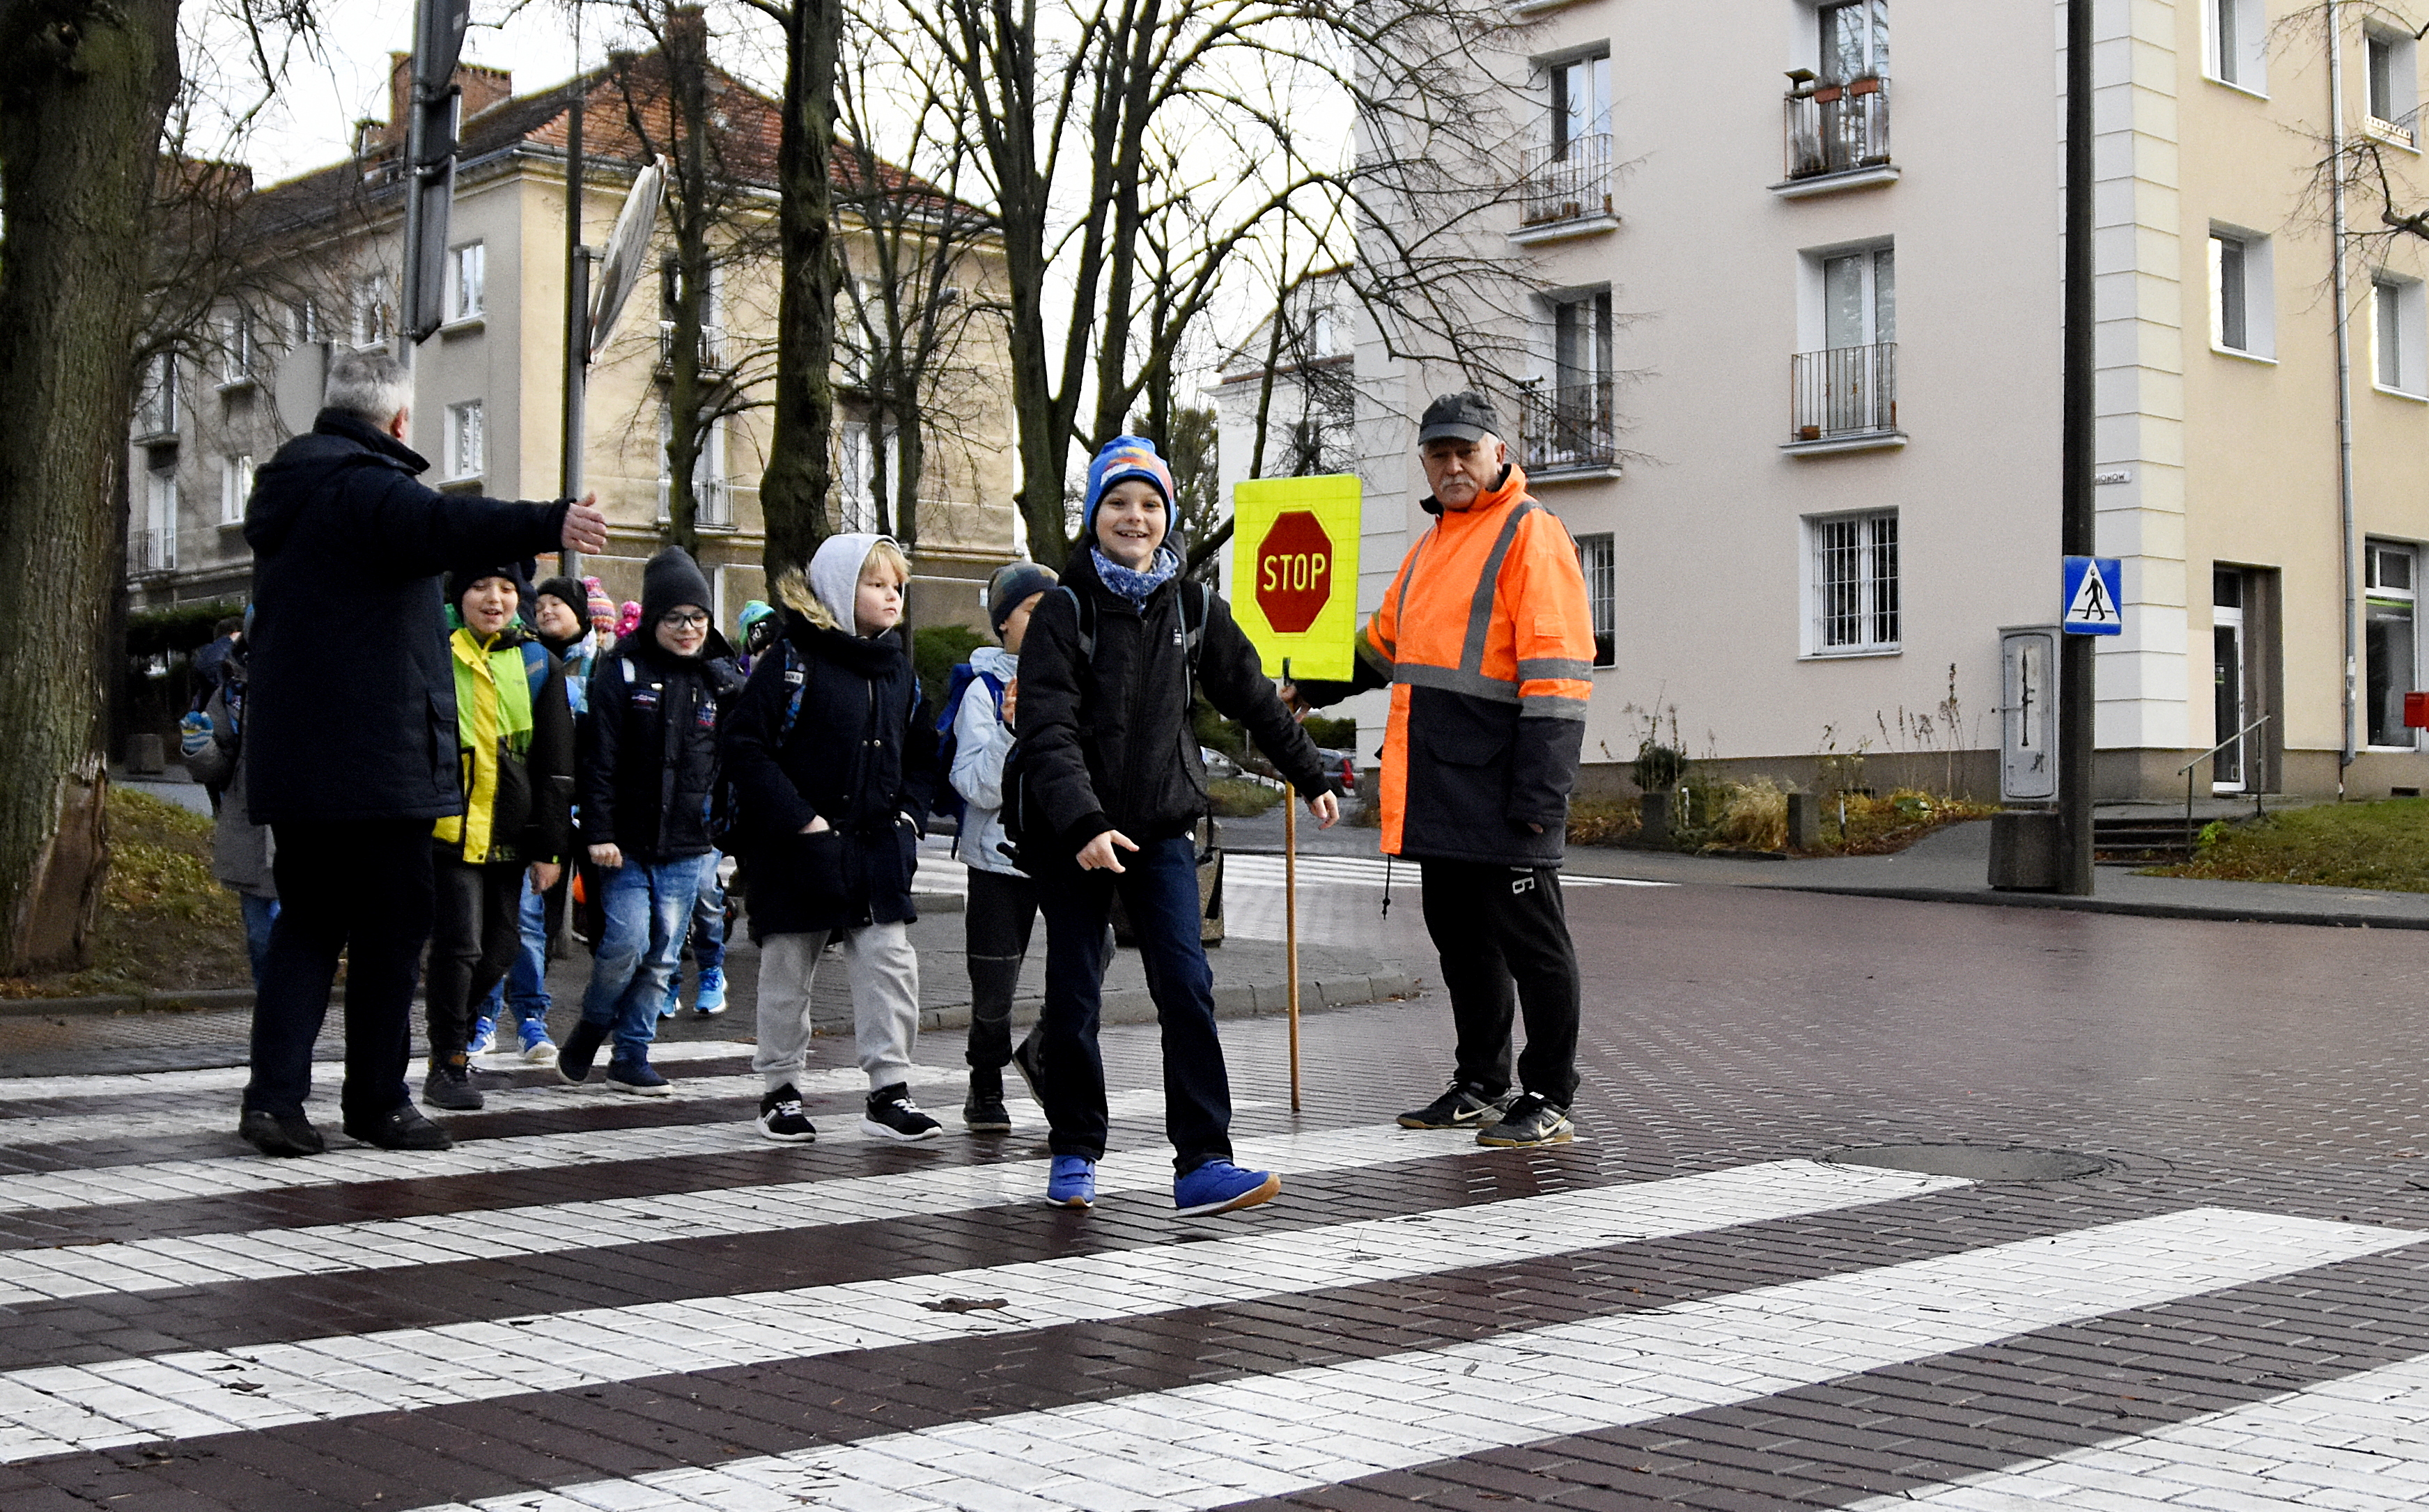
pixel 1490 645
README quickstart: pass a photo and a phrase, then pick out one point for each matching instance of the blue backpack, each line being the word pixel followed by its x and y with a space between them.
pixel 948 801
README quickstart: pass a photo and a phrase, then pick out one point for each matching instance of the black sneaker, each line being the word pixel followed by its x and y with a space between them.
pixel 450 1086
pixel 892 1116
pixel 580 1048
pixel 983 1110
pixel 1464 1105
pixel 1024 1060
pixel 1530 1120
pixel 781 1118
pixel 402 1127
pixel 282 1137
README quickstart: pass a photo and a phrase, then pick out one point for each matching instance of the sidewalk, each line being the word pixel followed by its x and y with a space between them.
pixel 1953 866
pixel 45 1037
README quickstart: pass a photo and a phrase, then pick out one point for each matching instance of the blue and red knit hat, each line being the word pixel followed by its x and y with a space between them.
pixel 1124 456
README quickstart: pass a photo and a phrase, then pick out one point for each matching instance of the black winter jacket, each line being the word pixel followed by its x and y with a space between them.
pixel 353 712
pixel 861 754
pixel 1109 743
pixel 649 766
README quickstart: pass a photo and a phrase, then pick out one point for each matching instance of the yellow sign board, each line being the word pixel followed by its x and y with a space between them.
pixel 1295 572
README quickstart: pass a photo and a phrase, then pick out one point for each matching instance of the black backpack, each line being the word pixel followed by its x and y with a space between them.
pixel 1020 811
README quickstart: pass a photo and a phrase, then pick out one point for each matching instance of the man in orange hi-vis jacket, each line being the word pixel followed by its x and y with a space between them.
pixel 1487 644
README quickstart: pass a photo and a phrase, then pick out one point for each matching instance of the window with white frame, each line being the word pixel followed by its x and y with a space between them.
pixel 2399 335
pixel 2390 66
pixel 856 474
pixel 2237 50
pixel 1859 298
pixel 235 348
pixel 467 453
pixel 1854 583
pixel 303 322
pixel 156 410
pixel 2242 300
pixel 711 496
pixel 1580 105
pixel 158 548
pixel 1854 40
pixel 466 282
pixel 1599 559
pixel 2392 637
pixel 236 486
pixel 374 313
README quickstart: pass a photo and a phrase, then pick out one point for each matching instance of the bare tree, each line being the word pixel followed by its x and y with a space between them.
pixel 1138 154
pixel 680 106
pixel 920 298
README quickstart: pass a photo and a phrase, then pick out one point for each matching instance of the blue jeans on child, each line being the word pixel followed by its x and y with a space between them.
pixel 647 909
pixel 1159 887
pixel 259 914
pixel 708 917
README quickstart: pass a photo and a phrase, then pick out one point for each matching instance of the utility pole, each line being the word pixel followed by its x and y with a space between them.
pixel 2341 279
pixel 577 302
pixel 432 100
pixel 2077 514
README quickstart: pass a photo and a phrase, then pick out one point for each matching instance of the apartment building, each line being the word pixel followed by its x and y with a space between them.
pixel 1794 378
pixel 488 385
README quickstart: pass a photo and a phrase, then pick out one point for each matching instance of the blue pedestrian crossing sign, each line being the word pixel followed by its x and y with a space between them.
pixel 2093 601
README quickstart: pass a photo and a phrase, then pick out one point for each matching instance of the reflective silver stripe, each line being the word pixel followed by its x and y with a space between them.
pixel 1480 610
pixel 1456 679
pixel 1546 668
pixel 1546 706
pixel 1407 575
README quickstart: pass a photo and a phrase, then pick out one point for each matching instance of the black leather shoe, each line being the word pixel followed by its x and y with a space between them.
pixel 580 1048
pixel 402 1127
pixel 283 1137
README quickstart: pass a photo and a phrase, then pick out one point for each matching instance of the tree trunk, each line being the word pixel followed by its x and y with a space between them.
pixel 84 88
pixel 800 464
pixel 694 204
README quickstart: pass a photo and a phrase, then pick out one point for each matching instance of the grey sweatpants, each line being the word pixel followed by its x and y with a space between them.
pixel 884 976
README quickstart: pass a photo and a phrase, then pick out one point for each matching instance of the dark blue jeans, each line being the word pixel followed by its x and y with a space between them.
pixel 1158 888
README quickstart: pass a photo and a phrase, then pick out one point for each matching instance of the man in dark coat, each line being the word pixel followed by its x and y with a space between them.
pixel 350 744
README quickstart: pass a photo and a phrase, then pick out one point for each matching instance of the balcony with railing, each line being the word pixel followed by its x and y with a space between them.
pixel 1844 399
pixel 150 553
pixel 712 503
pixel 1836 135
pixel 1567 429
pixel 1565 190
pixel 712 348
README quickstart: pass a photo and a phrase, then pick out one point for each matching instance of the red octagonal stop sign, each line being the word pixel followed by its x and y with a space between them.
pixel 1294 571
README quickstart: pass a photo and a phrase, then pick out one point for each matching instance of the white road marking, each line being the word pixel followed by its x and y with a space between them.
pixel 1368 871
pixel 32 1274
pixel 1211 1445
pixel 2359 1443
pixel 232 1079
pixel 51 1410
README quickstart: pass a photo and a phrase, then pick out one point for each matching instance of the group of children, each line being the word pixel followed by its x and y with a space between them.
pixel 812 758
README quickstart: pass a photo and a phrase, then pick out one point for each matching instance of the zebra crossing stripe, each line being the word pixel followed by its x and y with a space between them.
pixel 1368 871
pixel 232 1079
pixel 345 1165
pixel 2357 1442
pixel 1211 1445
pixel 217 1117
pixel 53 1409
pixel 61 1272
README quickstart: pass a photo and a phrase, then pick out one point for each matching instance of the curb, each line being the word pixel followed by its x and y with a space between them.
pixel 215 999
pixel 2196 912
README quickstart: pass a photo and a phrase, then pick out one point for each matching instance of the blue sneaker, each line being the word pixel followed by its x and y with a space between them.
pixel 1072 1182
pixel 709 1001
pixel 637 1078
pixel 1220 1186
pixel 537 1048
pixel 674 994
pixel 485 1036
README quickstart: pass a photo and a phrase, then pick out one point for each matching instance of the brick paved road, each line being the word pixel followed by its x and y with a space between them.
pixel 601 1304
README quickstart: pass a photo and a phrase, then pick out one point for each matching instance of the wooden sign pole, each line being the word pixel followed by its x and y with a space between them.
pixel 1290 912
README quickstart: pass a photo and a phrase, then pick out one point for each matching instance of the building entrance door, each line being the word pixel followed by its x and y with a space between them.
pixel 2230 769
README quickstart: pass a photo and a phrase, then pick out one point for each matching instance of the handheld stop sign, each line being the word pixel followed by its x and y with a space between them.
pixel 1295 572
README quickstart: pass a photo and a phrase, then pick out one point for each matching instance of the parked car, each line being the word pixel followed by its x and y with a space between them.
pixel 1217 764
pixel 1344 766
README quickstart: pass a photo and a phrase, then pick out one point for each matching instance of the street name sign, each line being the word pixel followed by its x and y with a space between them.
pixel 2091 600
pixel 1295 572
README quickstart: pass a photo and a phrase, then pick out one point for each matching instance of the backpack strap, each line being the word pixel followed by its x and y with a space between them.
pixel 536 661
pixel 797 679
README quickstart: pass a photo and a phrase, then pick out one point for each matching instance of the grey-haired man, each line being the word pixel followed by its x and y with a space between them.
pixel 350 736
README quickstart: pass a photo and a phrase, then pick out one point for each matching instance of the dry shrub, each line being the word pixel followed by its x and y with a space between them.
pixel 1882 826
pixel 1604 821
pixel 1753 816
